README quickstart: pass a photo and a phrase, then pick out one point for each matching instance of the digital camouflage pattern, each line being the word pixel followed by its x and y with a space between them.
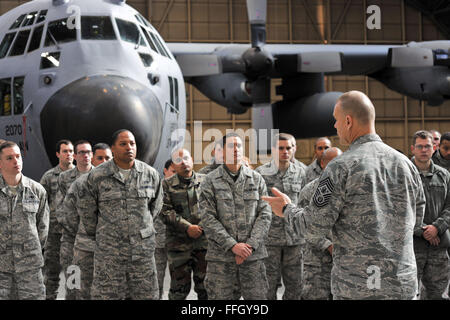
pixel 52 266
pixel 233 212
pixel 24 216
pixel 120 214
pixel 313 171
pixel 209 168
pixel 371 197
pixel 74 238
pixel 185 254
pixel 440 161
pixel 432 261
pixel 317 261
pixel 65 180
pixel 284 245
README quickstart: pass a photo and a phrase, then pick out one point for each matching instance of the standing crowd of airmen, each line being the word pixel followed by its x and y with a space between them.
pixel 368 223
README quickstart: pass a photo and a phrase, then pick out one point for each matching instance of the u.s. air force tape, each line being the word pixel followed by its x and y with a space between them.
pixel 323 192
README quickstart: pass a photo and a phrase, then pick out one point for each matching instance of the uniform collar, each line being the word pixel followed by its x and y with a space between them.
pixel 24 183
pixel 430 172
pixel 441 158
pixel 371 137
pixel 176 179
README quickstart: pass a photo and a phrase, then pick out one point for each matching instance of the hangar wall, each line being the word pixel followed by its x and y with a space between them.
pixel 301 21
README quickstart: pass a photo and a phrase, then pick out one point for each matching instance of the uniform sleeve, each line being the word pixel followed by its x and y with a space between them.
pixel 71 219
pixel 59 199
pixel 420 207
pixel 262 222
pixel 214 229
pixel 156 203
pixel 89 206
pixel 43 219
pixel 45 183
pixel 443 222
pixel 316 221
pixel 168 214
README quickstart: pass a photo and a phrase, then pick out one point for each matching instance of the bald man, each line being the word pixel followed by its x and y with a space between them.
pixel 371 199
pixel 314 170
pixel 317 255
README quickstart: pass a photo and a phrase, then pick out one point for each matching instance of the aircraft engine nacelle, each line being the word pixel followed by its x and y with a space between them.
pixel 227 89
pixel 431 84
pixel 307 117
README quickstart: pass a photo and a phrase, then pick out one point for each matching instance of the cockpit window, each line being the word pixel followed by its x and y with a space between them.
pixel 149 40
pixel 129 32
pixel 159 45
pixel 5 97
pixel 18 21
pixel 42 16
pixel 145 21
pixel 146 59
pixel 20 43
pixel 36 38
pixel 97 28
pixel 29 20
pixel 6 44
pixel 59 32
pixel 18 94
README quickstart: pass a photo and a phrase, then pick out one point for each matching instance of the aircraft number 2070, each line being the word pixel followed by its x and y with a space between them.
pixel 13 130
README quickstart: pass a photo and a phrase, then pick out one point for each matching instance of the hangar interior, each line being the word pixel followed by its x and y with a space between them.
pixel 307 22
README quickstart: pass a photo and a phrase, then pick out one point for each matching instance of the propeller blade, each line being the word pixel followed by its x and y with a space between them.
pixel 262 121
pixel 257 14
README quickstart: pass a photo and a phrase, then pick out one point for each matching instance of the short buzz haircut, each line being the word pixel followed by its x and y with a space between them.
pixel 445 136
pixel 358 105
pixel 61 142
pixel 75 146
pixel 116 134
pixel 422 134
pixel 319 139
pixel 168 164
pixel 7 144
pixel 100 146
pixel 279 137
pixel 434 131
pixel 229 135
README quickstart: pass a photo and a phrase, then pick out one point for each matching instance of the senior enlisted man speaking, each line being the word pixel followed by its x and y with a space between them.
pixel 371 199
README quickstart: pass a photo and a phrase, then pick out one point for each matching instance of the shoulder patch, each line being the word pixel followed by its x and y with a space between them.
pixel 323 192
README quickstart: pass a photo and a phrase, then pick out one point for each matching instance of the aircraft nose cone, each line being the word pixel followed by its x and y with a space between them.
pixel 93 108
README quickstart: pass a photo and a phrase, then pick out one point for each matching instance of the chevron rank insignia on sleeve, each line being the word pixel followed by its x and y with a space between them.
pixel 323 192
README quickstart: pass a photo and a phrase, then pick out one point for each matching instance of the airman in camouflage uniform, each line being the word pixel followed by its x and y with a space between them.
pixel 236 222
pixel 317 255
pixel 123 196
pixel 431 247
pixel 52 266
pixel 24 217
pixel 83 155
pixel 80 247
pixel 216 161
pixel 160 228
pixel 371 197
pixel 314 170
pixel 185 241
pixel 283 245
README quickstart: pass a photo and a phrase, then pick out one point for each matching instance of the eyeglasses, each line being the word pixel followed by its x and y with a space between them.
pixel 322 148
pixel 82 152
pixel 426 147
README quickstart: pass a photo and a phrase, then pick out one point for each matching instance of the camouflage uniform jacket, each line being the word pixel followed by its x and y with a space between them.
pixel 313 171
pixel 65 179
pixel 290 183
pixel 299 163
pixel 208 168
pixel 315 253
pixel 440 161
pixel 232 212
pixel 372 199
pixel 24 221
pixel 73 231
pixel 50 182
pixel 115 211
pixel 436 185
pixel 180 210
